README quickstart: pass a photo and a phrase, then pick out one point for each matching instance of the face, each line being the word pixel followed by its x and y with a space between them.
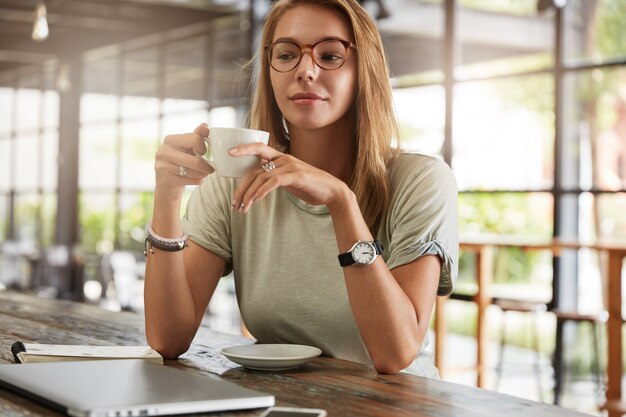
pixel 308 96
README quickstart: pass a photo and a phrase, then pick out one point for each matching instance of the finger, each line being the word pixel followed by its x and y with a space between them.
pixel 242 192
pixel 178 158
pixel 185 172
pixel 202 130
pixel 173 175
pixel 262 184
pixel 200 148
pixel 244 185
pixel 259 149
pixel 191 143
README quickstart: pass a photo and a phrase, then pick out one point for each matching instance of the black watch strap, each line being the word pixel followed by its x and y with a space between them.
pixel 346 259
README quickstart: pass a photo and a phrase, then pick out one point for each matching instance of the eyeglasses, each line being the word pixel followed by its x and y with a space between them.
pixel 328 54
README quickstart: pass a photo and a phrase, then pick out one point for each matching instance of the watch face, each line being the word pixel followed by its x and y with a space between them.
pixel 363 253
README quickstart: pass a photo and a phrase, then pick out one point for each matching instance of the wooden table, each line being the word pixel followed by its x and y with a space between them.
pixel 343 388
pixel 483 248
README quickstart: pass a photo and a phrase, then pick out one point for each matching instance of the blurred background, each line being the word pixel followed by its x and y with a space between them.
pixel 525 99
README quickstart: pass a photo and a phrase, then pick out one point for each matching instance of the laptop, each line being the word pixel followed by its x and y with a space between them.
pixel 126 387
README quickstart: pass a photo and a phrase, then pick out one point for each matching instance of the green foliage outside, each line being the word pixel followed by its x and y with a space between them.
pixel 133 222
pixel 97 230
pixel 611 36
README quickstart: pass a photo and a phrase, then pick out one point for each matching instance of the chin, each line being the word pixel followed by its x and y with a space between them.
pixel 308 122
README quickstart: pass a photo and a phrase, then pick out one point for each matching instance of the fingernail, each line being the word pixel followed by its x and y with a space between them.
pixel 249 205
pixel 233 150
pixel 234 204
pixel 204 124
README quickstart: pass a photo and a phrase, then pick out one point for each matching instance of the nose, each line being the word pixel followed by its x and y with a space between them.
pixel 307 68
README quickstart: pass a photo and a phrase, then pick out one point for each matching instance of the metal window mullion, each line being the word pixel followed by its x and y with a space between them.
pixel 10 233
pixel 450 52
pixel 117 200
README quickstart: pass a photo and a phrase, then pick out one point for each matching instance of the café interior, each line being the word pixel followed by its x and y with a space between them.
pixel 524 99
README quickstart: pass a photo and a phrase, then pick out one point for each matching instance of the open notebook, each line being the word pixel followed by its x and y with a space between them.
pixel 38 352
pixel 126 387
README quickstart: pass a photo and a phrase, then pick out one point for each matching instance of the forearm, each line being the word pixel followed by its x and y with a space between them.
pixel 169 306
pixel 383 312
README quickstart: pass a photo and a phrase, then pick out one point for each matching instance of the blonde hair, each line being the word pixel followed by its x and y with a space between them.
pixel 376 124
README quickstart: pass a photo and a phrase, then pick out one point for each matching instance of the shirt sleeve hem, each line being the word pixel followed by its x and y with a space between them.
pixel 447 276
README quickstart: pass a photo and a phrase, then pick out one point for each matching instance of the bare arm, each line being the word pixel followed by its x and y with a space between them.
pixel 178 285
pixel 392 308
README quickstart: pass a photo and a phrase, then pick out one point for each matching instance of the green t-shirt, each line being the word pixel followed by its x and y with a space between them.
pixel 283 254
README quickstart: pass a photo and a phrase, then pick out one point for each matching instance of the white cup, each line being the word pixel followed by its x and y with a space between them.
pixel 221 139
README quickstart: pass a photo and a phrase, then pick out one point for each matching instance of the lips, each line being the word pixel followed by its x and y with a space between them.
pixel 306 98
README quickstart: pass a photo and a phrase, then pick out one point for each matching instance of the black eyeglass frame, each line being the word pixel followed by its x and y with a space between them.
pixel 268 48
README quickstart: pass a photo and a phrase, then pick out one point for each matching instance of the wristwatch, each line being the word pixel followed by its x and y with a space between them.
pixel 361 253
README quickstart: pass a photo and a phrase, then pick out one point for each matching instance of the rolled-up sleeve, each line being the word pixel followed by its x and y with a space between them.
pixel 423 218
pixel 207 218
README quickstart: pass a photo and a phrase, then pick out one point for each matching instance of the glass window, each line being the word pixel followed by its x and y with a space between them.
pixel 520 214
pixel 594 30
pixel 4 216
pixel 28 108
pixel 134 106
pixel 596 124
pixel 503 37
pixel 135 213
pixel 223 117
pixel 26 163
pixel 5 164
pixel 171 105
pixel 517 273
pixel 98 107
pixel 6 111
pixel 504 134
pixel 48 216
pixel 98 156
pixel 421 117
pixel 51 108
pixel 187 122
pixel 27 211
pixel 97 222
pixel 140 141
pixel 49 160
pixel 608 216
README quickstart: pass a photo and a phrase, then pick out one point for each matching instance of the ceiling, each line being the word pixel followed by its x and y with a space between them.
pixel 204 43
pixel 80 25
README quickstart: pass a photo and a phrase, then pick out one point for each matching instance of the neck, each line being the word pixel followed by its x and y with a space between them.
pixel 330 149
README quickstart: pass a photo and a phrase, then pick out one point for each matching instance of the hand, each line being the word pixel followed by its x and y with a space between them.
pixel 304 181
pixel 177 165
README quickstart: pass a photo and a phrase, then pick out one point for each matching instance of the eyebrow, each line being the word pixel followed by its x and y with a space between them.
pixel 329 38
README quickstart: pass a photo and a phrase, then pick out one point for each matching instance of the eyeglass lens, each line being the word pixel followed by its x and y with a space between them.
pixel 328 55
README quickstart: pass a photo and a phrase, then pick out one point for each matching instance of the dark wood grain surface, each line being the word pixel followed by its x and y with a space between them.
pixel 343 388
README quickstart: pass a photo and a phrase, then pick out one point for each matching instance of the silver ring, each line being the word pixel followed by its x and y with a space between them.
pixel 182 171
pixel 268 166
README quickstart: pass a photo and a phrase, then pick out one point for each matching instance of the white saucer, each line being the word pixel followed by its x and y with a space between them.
pixel 271 357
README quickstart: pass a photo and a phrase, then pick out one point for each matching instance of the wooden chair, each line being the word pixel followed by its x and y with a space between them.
pixel 595 321
pixel 520 306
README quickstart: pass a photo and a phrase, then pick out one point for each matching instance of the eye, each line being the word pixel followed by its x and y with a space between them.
pixel 285 56
pixel 331 57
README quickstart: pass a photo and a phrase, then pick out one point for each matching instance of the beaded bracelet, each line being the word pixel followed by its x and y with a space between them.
pixel 163 243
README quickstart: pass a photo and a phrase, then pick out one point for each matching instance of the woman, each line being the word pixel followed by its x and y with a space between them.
pixel 329 180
